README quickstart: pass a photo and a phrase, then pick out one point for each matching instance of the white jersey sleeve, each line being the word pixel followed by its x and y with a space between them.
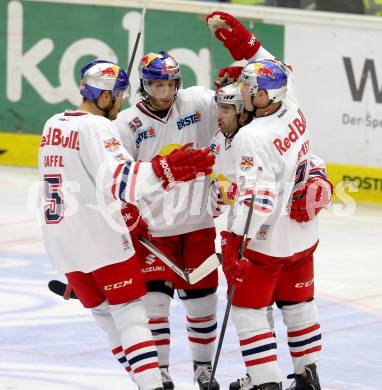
pixel 106 158
pixel 317 167
pixel 252 158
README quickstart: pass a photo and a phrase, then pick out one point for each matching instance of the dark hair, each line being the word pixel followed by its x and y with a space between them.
pixel 142 93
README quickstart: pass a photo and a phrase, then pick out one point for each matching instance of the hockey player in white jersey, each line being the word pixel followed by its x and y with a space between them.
pixel 278 256
pixel 83 168
pixel 168 117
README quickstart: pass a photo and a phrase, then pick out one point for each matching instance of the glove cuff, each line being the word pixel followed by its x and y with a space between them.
pixel 324 183
pixel 245 50
pixel 253 46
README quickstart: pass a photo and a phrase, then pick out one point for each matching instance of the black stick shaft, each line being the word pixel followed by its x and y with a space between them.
pixel 222 333
pixel 132 58
pixel 133 54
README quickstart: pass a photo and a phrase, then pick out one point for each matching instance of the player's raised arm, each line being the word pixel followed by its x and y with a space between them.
pixel 241 43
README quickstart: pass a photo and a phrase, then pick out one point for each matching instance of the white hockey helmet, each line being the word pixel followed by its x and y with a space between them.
pixel 266 74
pixel 158 66
pixel 100 75
pixel 231 94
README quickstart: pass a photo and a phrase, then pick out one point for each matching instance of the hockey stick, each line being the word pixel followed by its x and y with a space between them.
pixel 60 288
pixel 137 39
pixel 204 269
pixel 199 273
pixel 232 292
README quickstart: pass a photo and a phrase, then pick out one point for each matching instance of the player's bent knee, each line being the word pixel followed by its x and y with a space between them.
pixel 129 315
pixel 196 293
pixel 250 320
pixel 102 315
pixel 157 304
pixel 299 314
pixel 161 286
pixel 201 306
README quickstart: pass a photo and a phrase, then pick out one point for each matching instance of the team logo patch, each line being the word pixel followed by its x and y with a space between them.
pixel 246 163
pixel 262 233
pixel 111 144
pixel 189 120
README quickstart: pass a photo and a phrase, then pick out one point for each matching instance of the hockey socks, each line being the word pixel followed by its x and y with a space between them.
pixel 201 326
pixel 257 344
pixel 157 305
pixel 304 334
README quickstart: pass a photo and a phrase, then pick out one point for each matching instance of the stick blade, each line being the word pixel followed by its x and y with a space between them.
pixel 209 265
pixel 59 288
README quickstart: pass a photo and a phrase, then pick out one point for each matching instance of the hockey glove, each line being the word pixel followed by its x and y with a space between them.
pixel 182 164
pixel 135 223
pixel 235 37
pixel 309 201
pixel 228 75
pixel 235 269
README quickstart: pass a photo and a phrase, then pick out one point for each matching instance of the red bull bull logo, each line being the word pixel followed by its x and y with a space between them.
pixel 262 70
pixel 147 59
pixel 111 71
pixel 246 163
pixel 111 144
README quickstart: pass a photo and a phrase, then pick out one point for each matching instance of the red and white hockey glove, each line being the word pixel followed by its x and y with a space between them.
pixel 235 37
pixel 228 75
pixel 183 164
pixel 309 201
pixel 135 223
pixel 235 269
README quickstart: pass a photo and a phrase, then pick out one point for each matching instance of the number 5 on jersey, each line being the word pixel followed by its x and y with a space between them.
pixel 54 207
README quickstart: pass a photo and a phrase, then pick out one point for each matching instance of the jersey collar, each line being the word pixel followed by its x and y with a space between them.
pixel 141 106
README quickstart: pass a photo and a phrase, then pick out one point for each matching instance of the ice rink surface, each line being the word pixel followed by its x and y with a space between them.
pixel 51 344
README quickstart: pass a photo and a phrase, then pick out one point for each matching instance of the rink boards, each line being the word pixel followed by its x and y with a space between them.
pixel 338 76
pixel 363 184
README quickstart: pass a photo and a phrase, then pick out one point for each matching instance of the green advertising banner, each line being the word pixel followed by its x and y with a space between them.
pixel 43 46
